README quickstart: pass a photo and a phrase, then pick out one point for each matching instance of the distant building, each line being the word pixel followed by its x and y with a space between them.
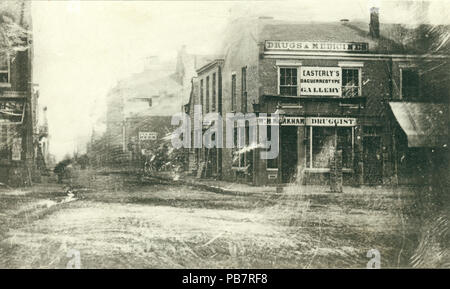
pixel 18 102
pixel 206 91
pixel 377 93
pixel 140 107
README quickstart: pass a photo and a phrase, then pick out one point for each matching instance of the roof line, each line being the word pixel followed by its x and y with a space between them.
pixel 209 65
pixel 356 55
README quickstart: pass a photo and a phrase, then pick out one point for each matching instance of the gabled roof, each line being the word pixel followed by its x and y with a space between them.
pixel 209 65
pixel 325 32
pixel 423 38
pixel 394 38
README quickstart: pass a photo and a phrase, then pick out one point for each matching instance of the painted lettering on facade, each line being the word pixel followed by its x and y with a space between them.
pixel 317 46
pixel 309 121
pixel 320 81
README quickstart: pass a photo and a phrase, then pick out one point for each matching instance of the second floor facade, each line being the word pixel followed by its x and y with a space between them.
pixel 330 67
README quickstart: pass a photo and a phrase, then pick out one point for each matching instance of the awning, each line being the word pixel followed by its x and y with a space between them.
pixel 425 124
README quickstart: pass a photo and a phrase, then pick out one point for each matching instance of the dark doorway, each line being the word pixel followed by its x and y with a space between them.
pixel 373 160
pixel 289 155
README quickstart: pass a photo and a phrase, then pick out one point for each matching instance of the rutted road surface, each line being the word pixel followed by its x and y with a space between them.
pixel 118 222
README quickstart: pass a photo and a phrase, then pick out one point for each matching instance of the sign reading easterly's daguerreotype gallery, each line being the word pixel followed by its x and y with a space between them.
pixel 320 81
pixel 317 46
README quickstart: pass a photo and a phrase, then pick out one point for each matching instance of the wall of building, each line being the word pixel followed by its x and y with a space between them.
pixel 241 51
pixel 19 90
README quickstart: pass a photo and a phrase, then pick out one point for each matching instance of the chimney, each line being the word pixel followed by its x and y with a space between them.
pixel 374 26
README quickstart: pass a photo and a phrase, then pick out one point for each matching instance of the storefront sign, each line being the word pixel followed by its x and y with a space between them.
pixel 16 151
pixel 330 121
pixel 148 135
pixel 320 81
pixel 310 121
pixel 317 46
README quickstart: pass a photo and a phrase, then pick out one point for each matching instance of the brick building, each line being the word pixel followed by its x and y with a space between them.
pixel 18 101
pixel 207 92
pixel 378 94
pixel 140 107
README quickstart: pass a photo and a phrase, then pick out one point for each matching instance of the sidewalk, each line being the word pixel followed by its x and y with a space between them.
pixel 239 189
pixel 217 186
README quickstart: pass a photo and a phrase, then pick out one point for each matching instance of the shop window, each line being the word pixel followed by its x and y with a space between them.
pixel 321 144
pixel 244 90
pixel 351 86
pixel 207 94
pixel 288 81
pixel 409 83
pixel 233 92
pixel 271 163
pixel 4 70
pixel 213 100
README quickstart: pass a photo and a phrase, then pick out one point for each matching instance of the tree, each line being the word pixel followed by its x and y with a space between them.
pixel 14 33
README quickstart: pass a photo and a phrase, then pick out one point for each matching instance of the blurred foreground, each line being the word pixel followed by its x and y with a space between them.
pixel 117 221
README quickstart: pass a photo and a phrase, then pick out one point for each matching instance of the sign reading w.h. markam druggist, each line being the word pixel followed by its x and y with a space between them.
pixel 317 46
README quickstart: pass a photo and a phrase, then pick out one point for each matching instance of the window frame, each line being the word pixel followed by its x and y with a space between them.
pixel 359 80
pixel 8 71
pixel 207 94
pixel 411 68
pixel 201 93
pixel 288 66
pixel 244 89
pixel 213 87
pixel 233 92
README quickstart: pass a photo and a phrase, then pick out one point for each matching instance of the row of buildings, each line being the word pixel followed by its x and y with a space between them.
pixel 23 137
pixel 377 92
pixel 139 110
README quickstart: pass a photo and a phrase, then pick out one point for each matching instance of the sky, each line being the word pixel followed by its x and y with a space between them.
pixel 82 48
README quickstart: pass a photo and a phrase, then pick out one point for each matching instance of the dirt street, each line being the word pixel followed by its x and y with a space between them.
pixel 114 221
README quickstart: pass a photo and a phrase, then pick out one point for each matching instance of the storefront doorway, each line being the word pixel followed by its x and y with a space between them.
pixel 373 160
pixel 289 154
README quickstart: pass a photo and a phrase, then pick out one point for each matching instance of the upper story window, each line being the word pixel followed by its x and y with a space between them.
pixel 4 70
pixel 288 81
pixel 233 92
pixel 201 93
pixel 213 102
pixel 351 84
pixel 244 90
pixel 207 94
pixel 409 83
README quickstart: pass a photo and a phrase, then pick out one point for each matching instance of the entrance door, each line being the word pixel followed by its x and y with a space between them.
pixel 289 155
pixel 373 160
